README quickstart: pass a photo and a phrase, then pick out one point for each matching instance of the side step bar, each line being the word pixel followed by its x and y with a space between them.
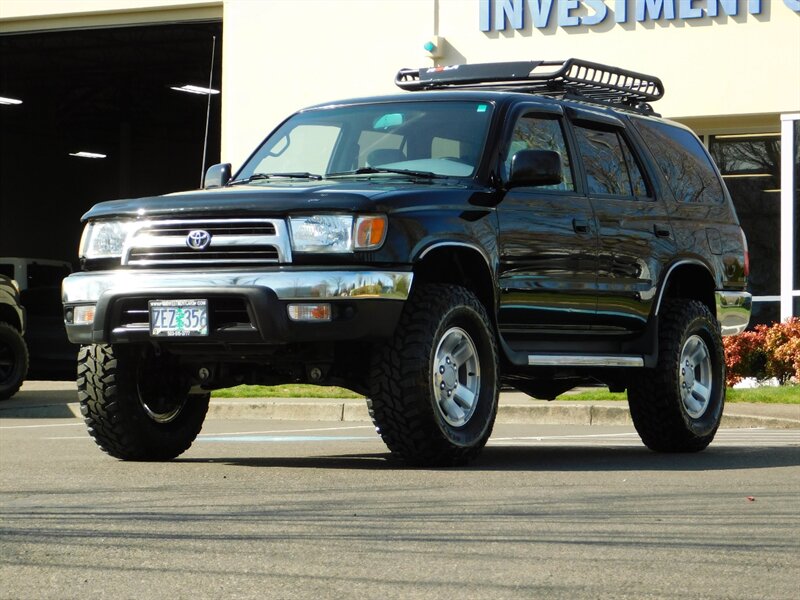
pixel 589 360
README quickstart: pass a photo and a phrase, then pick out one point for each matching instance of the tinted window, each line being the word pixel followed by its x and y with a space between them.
pixel 609 163
pixel 683 161
pixel 540 133
pixel 637 181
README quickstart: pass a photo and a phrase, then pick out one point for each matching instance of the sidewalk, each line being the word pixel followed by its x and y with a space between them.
pixel 58 399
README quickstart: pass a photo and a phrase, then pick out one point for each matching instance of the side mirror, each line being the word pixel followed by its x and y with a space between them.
pixel 535 167
pixel 217 176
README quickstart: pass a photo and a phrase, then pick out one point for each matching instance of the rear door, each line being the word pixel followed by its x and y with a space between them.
pixel 635 236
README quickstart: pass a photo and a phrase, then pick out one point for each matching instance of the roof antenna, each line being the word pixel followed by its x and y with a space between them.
pixel 208 109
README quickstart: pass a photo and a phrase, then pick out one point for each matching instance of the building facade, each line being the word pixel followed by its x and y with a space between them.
pixel 731 69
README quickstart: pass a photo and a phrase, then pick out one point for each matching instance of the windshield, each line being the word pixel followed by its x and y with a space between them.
pixel 419 139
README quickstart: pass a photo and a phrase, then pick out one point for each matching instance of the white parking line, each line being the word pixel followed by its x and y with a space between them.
pixel 284 431
pixel 41 426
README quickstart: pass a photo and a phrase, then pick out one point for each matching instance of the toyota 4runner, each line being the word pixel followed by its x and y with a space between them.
pixel 529 224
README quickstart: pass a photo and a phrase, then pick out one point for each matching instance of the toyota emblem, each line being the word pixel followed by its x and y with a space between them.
pixel 198 239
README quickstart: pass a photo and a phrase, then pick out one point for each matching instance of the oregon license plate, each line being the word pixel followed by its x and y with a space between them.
pixel 178 318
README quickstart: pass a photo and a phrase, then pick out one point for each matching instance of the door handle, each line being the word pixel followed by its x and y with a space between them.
pixel 580 226
pixel 662 231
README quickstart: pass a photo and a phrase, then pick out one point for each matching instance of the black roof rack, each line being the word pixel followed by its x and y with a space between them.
pixel 573 77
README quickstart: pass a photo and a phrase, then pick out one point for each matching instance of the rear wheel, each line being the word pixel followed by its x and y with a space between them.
pixel 677 407
pixel 434 385
pixel 137 406
pixel 13 360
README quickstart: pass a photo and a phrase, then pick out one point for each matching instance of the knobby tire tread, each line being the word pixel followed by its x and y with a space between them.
pixel 653 394
pixel 20 349
pixel 117 424
pixel 398 403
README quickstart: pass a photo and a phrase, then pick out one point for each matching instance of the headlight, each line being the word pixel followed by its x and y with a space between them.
pixel 105 239
pixel 337 233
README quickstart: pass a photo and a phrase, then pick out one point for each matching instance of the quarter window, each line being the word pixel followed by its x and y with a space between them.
pixel 610 166
pixel 684 162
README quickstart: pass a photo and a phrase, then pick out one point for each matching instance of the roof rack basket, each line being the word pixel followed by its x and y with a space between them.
pixel 568 78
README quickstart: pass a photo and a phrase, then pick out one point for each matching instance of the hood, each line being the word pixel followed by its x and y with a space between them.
pixel 275 199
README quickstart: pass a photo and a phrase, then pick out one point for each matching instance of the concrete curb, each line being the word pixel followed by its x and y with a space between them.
pixel 538 414
pixel 356 411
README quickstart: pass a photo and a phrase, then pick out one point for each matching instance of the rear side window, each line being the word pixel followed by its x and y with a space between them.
pixel 684 162
pixel 610 167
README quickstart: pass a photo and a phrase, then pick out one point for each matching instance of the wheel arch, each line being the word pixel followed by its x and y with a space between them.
pixel 459 263
pixel 691 279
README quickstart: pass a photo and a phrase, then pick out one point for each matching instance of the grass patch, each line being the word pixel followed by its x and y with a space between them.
pixel 787 394
pixel 295 390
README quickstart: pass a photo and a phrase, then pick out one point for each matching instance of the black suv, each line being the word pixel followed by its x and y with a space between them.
pixel 13 350
pixel 528 224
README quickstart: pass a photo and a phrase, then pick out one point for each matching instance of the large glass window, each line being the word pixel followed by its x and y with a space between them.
pixel 796 228
pixel 439 138
pixel 683 161
pixel 750 166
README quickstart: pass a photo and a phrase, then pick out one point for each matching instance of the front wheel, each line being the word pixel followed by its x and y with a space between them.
pixel 677 407
pixel 137 406
pixel 434 385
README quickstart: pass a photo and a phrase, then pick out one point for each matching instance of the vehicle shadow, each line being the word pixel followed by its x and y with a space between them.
pixel 546 459
pixel 39 403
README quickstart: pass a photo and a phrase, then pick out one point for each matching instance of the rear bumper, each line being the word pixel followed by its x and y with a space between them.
pixel 733 311
pixel 244 306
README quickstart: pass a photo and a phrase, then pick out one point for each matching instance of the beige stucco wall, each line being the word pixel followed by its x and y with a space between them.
pixel 285 54
pixel 279 55
pixel 709 66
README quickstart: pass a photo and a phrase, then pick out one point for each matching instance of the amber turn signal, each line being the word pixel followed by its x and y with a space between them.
pixel 370 232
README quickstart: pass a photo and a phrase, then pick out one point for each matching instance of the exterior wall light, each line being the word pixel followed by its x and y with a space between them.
pixel 195 89
pixel 84 154
pixel 434 47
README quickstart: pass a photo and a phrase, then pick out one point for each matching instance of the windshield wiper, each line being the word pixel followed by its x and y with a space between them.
pixel 293 175
pixel 374 170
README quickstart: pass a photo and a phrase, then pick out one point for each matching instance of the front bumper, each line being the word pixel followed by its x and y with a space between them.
pixel 733 311
pixel 244 306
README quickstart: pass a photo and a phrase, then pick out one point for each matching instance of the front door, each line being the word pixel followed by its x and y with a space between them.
pixel 548 245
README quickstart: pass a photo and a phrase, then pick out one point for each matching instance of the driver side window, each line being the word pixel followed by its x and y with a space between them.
pixel 535 132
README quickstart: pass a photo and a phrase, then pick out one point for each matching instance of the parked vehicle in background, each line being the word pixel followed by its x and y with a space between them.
pixel 52 355
pixel 532 224
pixel 13 351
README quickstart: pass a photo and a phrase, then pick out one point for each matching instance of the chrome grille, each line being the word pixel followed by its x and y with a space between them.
pixel 232 242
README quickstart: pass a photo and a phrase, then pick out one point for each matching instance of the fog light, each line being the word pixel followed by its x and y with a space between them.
pixel 310 312
pixel 84 315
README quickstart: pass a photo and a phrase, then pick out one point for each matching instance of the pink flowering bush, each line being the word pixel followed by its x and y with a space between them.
pixel 764 352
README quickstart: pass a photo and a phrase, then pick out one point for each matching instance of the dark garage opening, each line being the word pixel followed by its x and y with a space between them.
pixel 105 91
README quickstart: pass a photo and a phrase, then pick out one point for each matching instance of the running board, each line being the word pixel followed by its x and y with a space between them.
pixel 578 360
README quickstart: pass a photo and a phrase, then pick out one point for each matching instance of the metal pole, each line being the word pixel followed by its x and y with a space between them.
pixel 208 109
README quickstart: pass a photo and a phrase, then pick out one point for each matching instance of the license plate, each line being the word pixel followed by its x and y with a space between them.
pixel 178 318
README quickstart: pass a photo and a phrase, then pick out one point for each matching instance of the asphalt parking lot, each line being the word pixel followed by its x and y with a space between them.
pixel 265 508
